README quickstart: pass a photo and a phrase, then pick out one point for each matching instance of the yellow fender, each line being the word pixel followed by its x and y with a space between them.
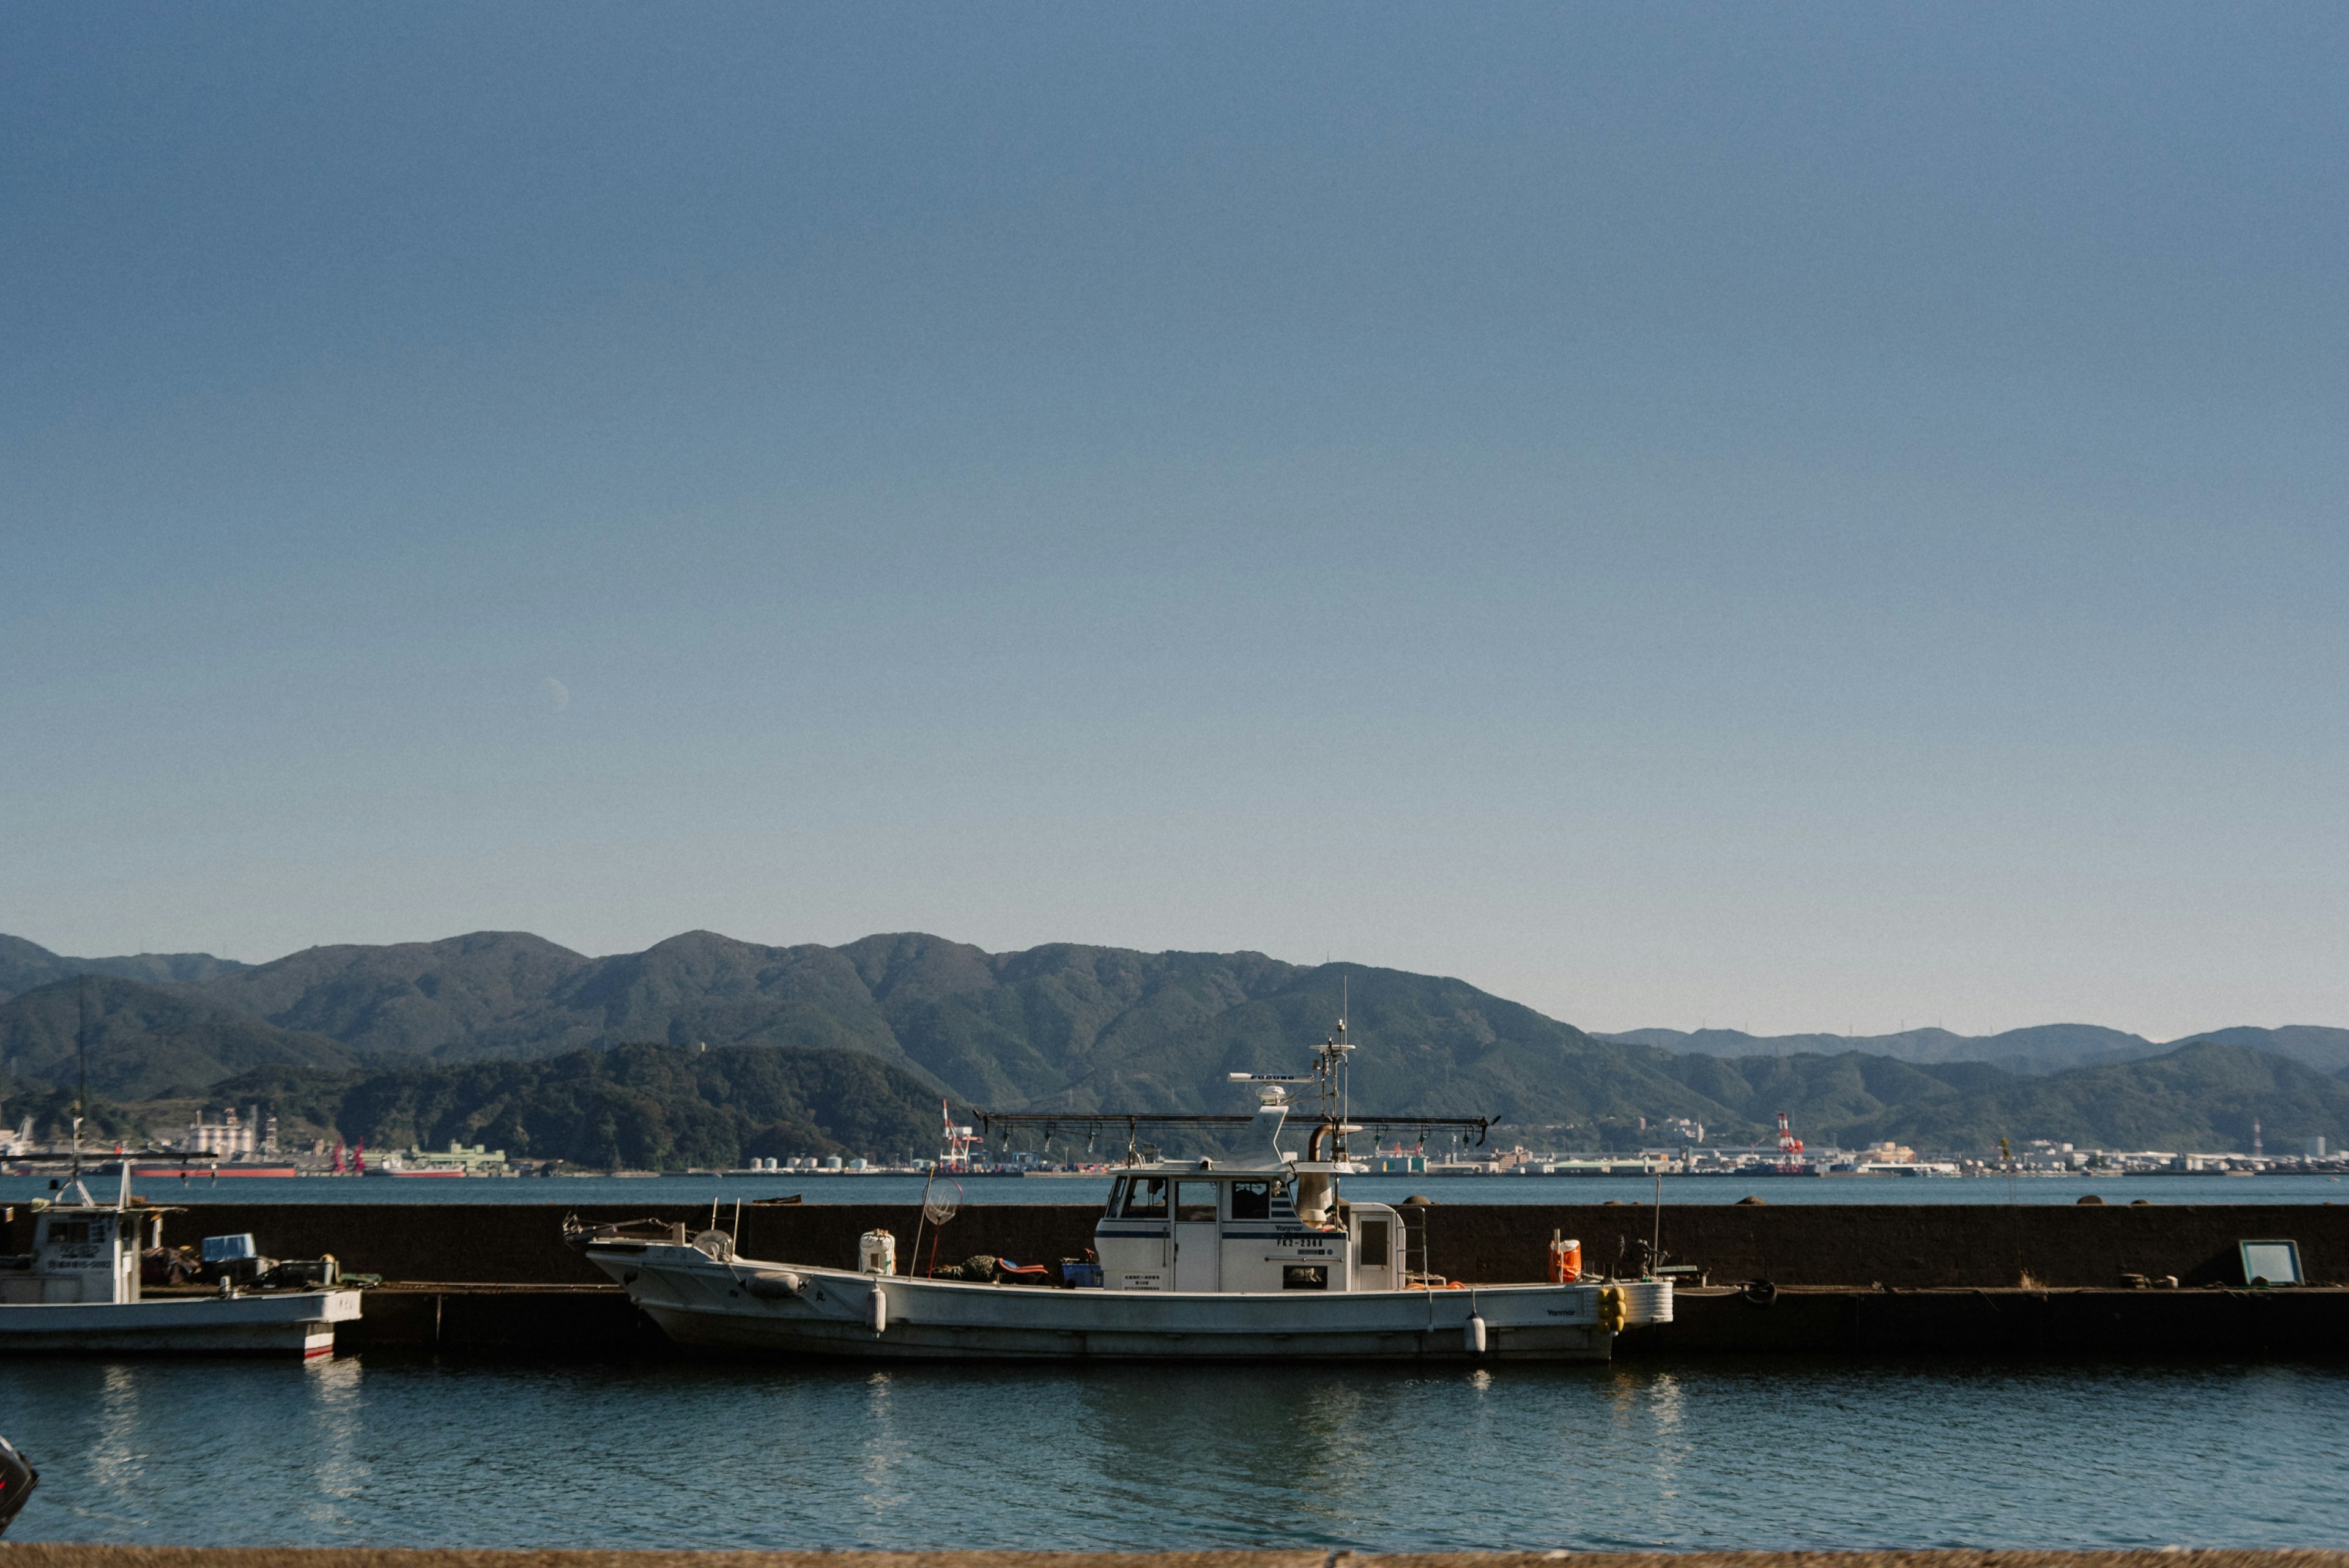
pixel 1612 1312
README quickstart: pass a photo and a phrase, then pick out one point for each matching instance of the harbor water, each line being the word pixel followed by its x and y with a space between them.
pixel 1093 1188
pixel 387 1452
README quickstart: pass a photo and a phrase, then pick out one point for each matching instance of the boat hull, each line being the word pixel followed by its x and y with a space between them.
pixel 300 1323
pixel 706 1303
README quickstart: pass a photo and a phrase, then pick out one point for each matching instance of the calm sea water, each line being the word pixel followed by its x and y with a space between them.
pixel 587 1190
pixel 391 1453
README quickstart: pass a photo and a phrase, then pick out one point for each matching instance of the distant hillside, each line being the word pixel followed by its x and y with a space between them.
pixel 2200 1096
pixel 1063 1026
pixel 2043 1048
pixel 147 1043
pixel 637 1107
pixel 491 994
pixel 1068 1025
pixel 658 1106
pixel 26 966
pixel 1087 1028
pixel 2313 1046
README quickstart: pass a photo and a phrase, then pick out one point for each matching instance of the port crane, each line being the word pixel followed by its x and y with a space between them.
pixel 1790 1147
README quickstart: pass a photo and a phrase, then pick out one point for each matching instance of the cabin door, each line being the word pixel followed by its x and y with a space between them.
pixel 1198 1237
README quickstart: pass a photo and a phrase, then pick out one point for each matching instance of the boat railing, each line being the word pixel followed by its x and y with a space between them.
pixel 578 1232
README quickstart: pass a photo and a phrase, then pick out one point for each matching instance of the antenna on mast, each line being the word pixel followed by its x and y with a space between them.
pixel 81 1070
pixel 1345 1099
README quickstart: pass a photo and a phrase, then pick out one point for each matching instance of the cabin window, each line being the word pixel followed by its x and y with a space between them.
pixel 1145 1198
pixel 1373 1254
pixel 1251 1199
pixel 1194 1201
pixel 1305 1277
pixel 68 1230
pixel 1116 1198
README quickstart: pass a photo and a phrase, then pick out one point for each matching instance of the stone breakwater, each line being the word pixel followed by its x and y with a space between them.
pixel 1860 1246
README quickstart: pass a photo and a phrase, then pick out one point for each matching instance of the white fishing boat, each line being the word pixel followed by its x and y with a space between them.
pixel 1197 1259
pixel 79 1290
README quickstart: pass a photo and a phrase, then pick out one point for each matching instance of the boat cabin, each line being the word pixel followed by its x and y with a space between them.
pixel 1204 1226
pixel 83 1251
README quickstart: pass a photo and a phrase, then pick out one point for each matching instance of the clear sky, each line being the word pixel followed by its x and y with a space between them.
pixel 1790 517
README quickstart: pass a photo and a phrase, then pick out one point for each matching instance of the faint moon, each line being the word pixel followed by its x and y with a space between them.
pixel 559 692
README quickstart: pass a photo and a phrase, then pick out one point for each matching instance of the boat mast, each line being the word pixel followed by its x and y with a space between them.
pixel 1330 1067
pixel 81 1069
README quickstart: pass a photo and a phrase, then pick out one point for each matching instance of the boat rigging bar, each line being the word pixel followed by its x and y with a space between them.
pixel 1099 1121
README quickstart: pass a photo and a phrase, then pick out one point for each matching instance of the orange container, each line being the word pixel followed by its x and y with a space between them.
pixel 1564 1259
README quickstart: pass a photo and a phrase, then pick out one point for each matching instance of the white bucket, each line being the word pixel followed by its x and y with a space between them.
pixel 877 1253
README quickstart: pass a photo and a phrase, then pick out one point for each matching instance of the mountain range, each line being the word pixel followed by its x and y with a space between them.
pixel 2043 1048
pixel 148 1041
pixel 1079 1028
pixel 634 1106
pixel 24 966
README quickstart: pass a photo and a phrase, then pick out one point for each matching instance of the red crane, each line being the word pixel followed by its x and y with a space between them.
pixel 1790 1147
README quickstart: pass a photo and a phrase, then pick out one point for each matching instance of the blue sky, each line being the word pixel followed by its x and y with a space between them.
pixel 1813 517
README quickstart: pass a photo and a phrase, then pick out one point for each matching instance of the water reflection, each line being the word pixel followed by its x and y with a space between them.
pixel 1148 1456
pixel 340 1473
pixel 114 1458
pixel 885 1457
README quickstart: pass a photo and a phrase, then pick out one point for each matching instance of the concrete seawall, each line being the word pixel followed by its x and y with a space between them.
pixel 1906 1247
pixel 2221 1325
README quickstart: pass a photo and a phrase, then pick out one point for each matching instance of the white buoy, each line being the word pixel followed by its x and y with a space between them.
pixel 1472 1331
pixel 881 1312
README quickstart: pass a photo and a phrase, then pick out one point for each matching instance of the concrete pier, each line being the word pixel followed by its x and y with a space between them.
pixel 1903 1246
pixel 556 1322
pixel 2304 1324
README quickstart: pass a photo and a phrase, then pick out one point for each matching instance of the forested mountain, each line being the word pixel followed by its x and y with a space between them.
pixel 2198 1096
pixel 146 1042
pixel 1067 1025
pixel 1086 1028
pixel 27 966
pixel 2312 1045
pixel 490 993
pixel 640 1106
pixel 2043 1048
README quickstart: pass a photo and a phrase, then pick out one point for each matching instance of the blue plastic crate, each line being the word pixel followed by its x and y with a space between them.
pixel 1087 1276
